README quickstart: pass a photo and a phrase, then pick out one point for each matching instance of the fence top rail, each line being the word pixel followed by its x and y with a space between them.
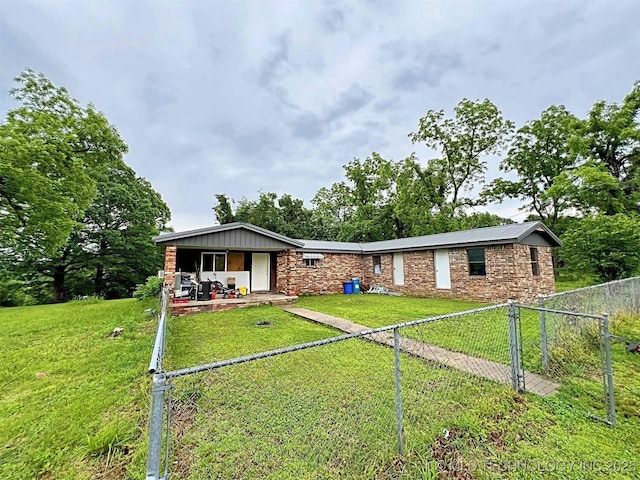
pixel 562 312
pixel 303 346
pixel 155 364
pixel 591 287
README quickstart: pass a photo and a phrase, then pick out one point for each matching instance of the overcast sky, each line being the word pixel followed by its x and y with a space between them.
pixel 237 97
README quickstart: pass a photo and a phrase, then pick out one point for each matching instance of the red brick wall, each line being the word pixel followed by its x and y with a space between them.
pixel 284 272
pixel 326 277
pixel 385 278
pixel 170 266
pixel 508 267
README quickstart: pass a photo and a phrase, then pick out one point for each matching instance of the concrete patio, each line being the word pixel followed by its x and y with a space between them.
pixel 219 304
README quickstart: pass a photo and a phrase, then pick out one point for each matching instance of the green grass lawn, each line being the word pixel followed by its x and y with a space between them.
pixel 571 281
pixel 329 412
pixel 74 402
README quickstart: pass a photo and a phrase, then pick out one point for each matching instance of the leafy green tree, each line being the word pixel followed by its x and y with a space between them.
pixel 589 189
pixel 540 153
pixel 48 146
pixel 332 208
pixel 223 211
pixel 605 246
pixel 262 212
pixel 285 215
pixel 477 130
pixel 297 220
pixel 360 209
pixel 112 250
pixel 420 198
pixel 610 136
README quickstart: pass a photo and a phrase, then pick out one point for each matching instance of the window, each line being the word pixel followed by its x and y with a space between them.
pixel 377 265
pixel 534 261
pixel 311 259
pixel 476 262
pixel 213 262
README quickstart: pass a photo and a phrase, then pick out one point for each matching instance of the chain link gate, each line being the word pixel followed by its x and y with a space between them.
pixel 568 347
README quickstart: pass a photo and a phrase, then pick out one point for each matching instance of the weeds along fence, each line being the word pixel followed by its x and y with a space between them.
pixel 379 403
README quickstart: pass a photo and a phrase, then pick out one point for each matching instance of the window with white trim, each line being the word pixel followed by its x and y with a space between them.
pixel 213 262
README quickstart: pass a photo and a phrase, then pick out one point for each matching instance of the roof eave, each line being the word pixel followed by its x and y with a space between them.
pixel 545 230
pixel 159 239
pixel 444 245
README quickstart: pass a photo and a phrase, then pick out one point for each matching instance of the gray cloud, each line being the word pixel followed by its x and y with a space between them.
pixel 333 20
pixel 427 69
pixel 349 101
pixel 276 61
pixel 308 126
pixel 237 97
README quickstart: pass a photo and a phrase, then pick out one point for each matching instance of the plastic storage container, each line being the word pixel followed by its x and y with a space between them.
pixel 356 284
pixel 348 287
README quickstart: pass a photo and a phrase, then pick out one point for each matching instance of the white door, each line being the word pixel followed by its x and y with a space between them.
pixel 443 272
pixel 259 272
pixel 398 268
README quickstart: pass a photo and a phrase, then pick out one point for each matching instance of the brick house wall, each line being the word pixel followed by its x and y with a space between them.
pixel 325 277
pixel 285 266
pixel 170 252
pixel 385 277
pixel 508 267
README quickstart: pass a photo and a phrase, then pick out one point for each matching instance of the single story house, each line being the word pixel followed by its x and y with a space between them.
pixel 490 264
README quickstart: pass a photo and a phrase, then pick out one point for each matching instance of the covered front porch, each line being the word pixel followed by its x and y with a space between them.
pixel 238 256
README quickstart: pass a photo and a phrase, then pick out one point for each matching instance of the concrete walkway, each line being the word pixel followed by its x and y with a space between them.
pixel 481 367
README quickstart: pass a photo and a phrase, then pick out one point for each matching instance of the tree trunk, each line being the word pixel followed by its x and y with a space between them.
pixel 59 274
pixel 98 281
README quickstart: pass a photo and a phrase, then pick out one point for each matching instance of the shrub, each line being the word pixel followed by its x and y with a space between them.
pixel 13 292
pixel 151 288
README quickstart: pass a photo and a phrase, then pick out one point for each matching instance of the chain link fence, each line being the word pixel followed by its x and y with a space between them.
pixel 382 403
pixel 613 298
pixel 573 350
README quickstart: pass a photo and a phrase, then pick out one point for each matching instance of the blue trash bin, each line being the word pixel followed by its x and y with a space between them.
pixel 356 284
pixel 348 287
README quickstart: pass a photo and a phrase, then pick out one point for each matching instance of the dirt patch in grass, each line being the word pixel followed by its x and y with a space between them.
pixel 445 451
pixel 114 466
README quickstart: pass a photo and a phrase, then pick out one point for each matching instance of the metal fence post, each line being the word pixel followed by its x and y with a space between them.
pixel 396 351
pixel 543 334
pixel 607 297
pixel 514 348
pixel 156 420
pixel 608 373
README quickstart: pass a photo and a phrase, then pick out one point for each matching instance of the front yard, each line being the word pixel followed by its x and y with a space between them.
pixel 74 402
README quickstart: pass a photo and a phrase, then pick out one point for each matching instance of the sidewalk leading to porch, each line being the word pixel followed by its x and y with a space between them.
pixel 251 300
pixel 481 367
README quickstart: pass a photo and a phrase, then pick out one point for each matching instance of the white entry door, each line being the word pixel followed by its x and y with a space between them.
pixel 443 272
pixel 398 268
pixel 259 272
